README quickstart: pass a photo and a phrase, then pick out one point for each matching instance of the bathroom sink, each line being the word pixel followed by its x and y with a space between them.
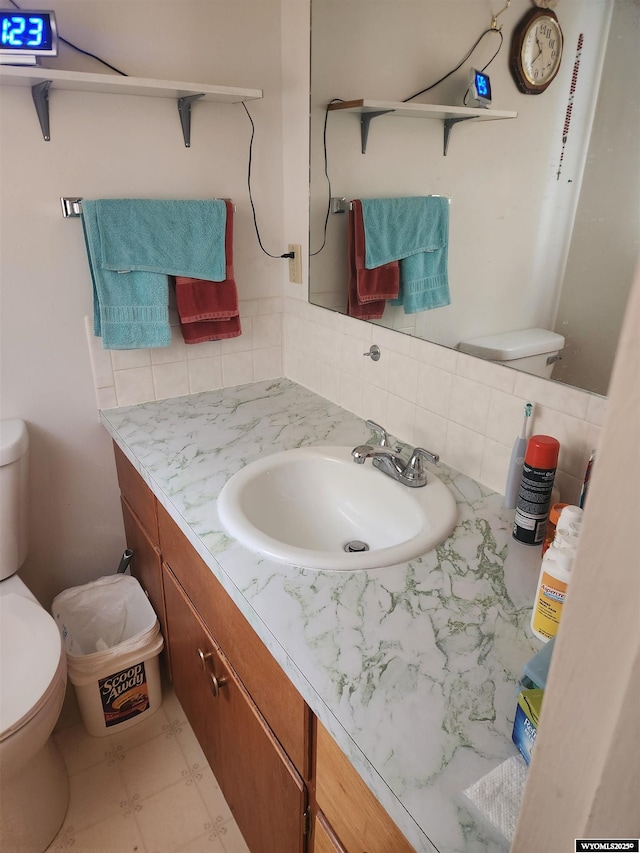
pixel 312 505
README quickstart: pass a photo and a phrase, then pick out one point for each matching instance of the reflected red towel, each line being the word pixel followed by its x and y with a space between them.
pixel 368 289
pixel 208 310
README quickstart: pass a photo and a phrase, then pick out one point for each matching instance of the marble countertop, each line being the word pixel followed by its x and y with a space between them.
pixel 412 668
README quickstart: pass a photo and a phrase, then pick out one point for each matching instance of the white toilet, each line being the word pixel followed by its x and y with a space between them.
pixel 531 350
pixel 33 674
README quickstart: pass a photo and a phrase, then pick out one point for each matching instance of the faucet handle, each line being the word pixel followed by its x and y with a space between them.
pixel 421 453
pixel 414 469
pixel 384 438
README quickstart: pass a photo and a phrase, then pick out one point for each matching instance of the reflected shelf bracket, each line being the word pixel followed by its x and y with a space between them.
pixel 184 108
pixel 365 121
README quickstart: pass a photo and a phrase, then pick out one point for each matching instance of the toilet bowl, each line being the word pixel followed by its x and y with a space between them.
pixel 33 777
pixel 530 350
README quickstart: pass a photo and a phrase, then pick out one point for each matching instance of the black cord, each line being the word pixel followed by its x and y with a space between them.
pixel 460 64
pixel 326 174
pixel 80 50
pixel 410 98
pixel 253 208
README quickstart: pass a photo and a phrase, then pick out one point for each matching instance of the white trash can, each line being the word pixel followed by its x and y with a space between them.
pixel 112 640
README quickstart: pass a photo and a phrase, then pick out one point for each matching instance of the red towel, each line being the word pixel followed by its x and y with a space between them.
pixel 208 310
pixel 368 289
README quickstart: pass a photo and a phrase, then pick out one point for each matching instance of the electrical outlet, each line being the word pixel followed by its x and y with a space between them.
pixel 295 263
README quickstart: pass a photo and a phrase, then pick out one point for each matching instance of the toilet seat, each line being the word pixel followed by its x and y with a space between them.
pixel 33 661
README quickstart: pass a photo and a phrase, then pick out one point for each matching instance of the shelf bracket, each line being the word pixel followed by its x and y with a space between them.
pixel 448 124
pixel 365 121
pixel 40 95
pixel 184 108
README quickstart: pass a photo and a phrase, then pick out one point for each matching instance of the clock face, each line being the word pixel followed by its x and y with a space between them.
pixel 542 51
pixel 536 51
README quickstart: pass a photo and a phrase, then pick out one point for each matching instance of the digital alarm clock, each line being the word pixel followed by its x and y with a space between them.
pixel 479 88
pixel 26 35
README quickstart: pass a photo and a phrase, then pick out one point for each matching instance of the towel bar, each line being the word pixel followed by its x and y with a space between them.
pixel 341 205
pixel 72 205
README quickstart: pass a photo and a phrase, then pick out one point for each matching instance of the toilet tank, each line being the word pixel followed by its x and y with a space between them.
pixel 532 350
pixel 14 445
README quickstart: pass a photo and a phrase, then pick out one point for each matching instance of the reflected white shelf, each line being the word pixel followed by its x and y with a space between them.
pixel 43 80
pixel 370 109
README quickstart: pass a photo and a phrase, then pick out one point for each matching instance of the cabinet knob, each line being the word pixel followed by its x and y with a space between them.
pixel 204 657
pixel 216 684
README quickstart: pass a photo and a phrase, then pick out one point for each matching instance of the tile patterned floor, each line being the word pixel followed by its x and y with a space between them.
pixel 147 789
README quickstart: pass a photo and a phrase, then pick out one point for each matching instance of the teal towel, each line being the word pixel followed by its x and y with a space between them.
pixel 130 310
pixel 415 231
pixel 174 237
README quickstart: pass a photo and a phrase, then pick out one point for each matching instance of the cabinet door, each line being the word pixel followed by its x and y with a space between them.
pixel 262 788
pixel 324 840
pixel 137 494
pixel 280 703
pixel 355 814
pixel 146 564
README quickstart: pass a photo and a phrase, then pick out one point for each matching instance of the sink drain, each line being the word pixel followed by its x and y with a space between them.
pixel 356 546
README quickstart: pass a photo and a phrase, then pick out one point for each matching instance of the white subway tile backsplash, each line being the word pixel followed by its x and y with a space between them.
pixel 205 374
pixel 466 410
pixel 267 363
pixel 430 431
pixel 267 331
pixel 469 404
pixel 237 368
pixel 570 401
pixel 464 450
pixel 404 373
pixel 495 465
pixel 434 389
pixel 487 372
pixel 400 417
pixel 134 385
pixel 126 359
pixel 170 380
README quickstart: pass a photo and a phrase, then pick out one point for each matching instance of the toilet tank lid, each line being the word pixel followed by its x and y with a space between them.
pixel 14 440
pixel 511 345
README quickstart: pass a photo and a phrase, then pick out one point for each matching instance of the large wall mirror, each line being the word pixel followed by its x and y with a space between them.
pixel 544 218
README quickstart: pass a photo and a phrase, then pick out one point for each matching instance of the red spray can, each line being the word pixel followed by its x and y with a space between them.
pixel 534 497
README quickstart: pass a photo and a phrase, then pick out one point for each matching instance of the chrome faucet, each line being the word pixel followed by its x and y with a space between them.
pixel 410 472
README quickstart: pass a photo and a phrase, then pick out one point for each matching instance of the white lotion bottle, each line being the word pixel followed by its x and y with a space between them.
pixel 553 581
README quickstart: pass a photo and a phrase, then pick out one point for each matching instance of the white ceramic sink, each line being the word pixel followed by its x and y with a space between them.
pixel 303 506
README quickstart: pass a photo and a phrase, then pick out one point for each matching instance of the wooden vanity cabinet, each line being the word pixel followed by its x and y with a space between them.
pixel 355 816
pixel 266 795
pixel 268 753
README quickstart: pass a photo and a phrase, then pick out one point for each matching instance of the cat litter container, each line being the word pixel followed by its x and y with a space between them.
pixel 112 641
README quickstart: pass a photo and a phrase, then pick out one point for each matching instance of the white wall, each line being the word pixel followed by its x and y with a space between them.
pixel 114 146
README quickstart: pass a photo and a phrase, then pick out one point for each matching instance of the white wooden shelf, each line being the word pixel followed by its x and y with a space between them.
pixel 369 109
pixel 42 80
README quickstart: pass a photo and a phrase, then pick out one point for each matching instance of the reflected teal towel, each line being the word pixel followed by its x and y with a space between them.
pixel 415 231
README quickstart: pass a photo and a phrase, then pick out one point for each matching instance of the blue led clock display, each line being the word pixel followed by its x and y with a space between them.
pixel 25 32
pixel 482 85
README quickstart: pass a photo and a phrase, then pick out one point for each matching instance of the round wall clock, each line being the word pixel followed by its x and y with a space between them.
pixel 536 51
